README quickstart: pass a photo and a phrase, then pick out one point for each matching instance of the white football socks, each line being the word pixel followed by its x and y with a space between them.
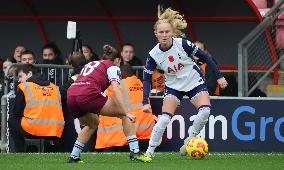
pixel 158 132
pixel 133 143
pixel 199 121
pixel 77 149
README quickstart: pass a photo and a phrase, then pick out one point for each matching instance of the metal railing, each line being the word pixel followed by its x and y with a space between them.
pixel 258 48
pixel 6 96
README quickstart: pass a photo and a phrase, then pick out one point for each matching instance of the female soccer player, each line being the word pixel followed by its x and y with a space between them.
pixel 85 98
pixel 174 55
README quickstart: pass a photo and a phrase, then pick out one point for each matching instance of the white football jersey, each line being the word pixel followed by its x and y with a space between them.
pixel 181 72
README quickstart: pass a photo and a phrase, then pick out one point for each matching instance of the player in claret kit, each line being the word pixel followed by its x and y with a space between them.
pixel 85 99
pixel 174 55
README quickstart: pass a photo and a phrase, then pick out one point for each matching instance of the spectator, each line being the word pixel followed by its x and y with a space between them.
pixel 27 57
pixel 89 54
pixel 128 55
pixel 115 140
pixel 30 111
pixel 78 61
pixel 17 53
pixel 52 55
pixel 9 76
pixel 7 63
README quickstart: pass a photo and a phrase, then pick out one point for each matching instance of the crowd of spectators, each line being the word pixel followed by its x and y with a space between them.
pixel 51 54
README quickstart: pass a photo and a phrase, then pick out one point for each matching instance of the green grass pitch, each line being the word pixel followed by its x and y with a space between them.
pixel 162 160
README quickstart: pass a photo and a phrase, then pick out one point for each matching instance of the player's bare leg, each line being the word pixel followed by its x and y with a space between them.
pixel 170 104
pixel 111 109
pixel 91 122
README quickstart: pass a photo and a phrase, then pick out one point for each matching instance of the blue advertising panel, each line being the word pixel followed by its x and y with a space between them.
pixel 234 125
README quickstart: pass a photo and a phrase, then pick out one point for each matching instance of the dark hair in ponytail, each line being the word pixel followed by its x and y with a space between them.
pixel 110 53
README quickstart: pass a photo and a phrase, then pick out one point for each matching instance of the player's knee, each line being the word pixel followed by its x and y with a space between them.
pixel 90 120
pixel 94 124
pixel 204 112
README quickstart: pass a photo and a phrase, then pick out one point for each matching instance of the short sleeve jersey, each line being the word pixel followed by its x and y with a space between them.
pixel 181 72
pixel 95 77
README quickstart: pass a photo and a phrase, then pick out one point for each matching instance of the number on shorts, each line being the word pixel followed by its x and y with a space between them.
pixel 89 68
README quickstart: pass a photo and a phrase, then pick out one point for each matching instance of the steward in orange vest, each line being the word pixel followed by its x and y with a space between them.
pixel 110 129
pixel 158 83
pixel 37 110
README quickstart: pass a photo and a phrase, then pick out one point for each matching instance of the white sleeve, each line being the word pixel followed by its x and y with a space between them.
pixel 114 74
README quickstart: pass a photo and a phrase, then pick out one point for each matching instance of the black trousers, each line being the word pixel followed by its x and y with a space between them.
pixel 18 135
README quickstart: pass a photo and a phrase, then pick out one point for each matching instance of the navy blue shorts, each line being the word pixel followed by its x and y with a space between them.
pixel 191 94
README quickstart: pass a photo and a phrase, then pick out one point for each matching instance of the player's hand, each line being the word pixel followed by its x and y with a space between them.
pixel 222 82
pixel 131 117
pixel 147 108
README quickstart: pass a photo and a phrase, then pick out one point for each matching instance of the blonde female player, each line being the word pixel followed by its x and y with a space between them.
pixel 174 55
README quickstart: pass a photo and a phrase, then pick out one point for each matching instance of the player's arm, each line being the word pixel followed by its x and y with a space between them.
pixel 118 97
pixel 192 50
pixel 114 76
pixel 148 71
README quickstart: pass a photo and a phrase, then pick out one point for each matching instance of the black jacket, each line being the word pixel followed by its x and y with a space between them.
pixel 95 57
pixel 49 73
pixel 134 62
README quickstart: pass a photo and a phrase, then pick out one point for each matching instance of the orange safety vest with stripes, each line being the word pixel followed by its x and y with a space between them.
pixel 43 114
pixel 110 129
pixel 158 81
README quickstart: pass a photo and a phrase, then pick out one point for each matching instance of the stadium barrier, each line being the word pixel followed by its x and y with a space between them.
pixel 235 124
pixel 57 74
pixel 261 50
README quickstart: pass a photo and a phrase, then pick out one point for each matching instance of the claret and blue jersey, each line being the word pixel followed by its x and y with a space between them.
pixel 181 72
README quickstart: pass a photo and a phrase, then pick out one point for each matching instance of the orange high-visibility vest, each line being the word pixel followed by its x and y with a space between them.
pixel 110 129
pixel 217 90
pixel 158 81
pixel 43 114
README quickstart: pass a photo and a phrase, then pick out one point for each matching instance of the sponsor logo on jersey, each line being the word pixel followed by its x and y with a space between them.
pixel 175 68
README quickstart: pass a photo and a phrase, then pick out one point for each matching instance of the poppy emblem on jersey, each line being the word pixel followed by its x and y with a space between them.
pixel 171 58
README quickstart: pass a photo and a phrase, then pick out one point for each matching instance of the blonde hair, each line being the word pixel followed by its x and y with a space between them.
pixel 174 18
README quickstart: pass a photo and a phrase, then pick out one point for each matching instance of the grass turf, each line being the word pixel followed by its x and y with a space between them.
pixel 162 161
